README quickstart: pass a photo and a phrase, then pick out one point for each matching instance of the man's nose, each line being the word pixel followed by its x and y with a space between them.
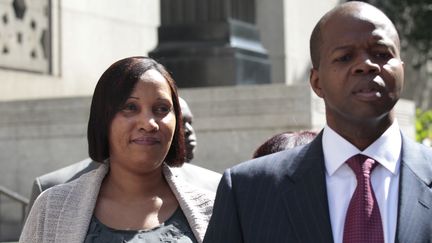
pixel 188 128
pixel 367 66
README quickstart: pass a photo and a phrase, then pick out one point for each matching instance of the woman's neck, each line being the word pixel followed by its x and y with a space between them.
pixel 131 200
pixel 126 184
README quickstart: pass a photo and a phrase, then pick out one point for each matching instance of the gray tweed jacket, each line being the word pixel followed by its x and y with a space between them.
pixel 62 213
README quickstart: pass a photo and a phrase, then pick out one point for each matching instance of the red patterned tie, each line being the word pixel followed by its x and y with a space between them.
pixel 363 218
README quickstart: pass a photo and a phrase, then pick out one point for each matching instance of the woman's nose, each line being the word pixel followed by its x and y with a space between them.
pixel 148 123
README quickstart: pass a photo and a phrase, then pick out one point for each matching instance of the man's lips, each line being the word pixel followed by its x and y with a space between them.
pixel 368 93
pixel 146 140
pixel 370 90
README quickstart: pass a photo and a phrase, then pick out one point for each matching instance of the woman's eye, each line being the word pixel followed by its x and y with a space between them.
pixel 130 107
pixel 162 110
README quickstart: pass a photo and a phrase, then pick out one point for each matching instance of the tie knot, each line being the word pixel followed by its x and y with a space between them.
pixel 362 165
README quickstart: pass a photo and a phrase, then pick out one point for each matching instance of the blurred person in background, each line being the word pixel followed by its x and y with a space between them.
pixel 283 141
pixel 190 136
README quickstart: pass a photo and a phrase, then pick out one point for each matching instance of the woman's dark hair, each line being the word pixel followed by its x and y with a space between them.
pixel 283 141
pixel 111 92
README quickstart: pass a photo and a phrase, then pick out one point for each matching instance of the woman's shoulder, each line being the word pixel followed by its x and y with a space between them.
pixel 59 193
pixel 59 205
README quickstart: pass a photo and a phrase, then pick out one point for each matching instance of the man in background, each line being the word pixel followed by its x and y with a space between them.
pixel 189 132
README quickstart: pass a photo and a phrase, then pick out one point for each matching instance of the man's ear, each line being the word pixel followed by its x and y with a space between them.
pixel 315 82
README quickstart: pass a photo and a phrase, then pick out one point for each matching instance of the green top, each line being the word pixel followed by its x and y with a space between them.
pixel 175 229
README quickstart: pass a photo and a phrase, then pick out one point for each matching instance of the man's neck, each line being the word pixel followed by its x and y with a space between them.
pixel 361 134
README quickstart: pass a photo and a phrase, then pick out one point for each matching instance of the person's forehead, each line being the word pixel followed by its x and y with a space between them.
pixel 354 23
pixel 186 112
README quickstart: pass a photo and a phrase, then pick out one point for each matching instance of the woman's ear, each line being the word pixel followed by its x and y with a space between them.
pixel 315 82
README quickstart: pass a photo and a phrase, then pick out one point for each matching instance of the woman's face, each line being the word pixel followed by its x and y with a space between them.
pixel 142 130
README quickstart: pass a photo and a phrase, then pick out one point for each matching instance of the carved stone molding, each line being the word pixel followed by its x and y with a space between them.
pixel 25 34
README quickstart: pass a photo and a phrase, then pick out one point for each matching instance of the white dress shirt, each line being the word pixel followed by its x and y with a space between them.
pixel 341 180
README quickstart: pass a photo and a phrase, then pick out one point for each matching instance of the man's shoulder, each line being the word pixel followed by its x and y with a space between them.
pixel 414 148
pixel 273 165
pixel 66 174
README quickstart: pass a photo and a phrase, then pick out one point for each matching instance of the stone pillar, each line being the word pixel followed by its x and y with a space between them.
pixel 211 43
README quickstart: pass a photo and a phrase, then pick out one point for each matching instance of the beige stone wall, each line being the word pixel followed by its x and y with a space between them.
pixel 300 18
pixel 270 22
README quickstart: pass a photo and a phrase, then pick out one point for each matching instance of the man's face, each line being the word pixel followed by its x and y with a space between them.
pixel 190 136
pixel 360 76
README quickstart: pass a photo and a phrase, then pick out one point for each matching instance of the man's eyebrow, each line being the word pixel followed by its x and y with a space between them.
pixel 341 48
pixel 386 44
pixel 133 97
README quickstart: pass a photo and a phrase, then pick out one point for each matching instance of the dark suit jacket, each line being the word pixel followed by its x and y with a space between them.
pixel 282 198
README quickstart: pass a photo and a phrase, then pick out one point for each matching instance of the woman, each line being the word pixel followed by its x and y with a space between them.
pixel 135 130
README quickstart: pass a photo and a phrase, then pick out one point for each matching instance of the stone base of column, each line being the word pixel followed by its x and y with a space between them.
pixel 213 54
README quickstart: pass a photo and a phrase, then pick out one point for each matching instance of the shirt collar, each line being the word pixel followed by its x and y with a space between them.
pixel 386 149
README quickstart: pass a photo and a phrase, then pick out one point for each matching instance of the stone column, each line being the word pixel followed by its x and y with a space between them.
pixel 211 43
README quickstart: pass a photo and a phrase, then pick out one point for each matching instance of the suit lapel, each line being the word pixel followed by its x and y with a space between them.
pixel 415 195
pixel 306 195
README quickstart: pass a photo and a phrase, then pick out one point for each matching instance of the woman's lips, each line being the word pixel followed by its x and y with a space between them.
pixel 146 141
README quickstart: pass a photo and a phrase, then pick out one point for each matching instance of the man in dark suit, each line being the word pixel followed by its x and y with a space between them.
pixel 305 194
pixel 198 176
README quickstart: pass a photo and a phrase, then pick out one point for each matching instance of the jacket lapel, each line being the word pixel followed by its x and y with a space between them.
pixel 78 207
pixel 196 204
pixel 415 195
pixel 306 195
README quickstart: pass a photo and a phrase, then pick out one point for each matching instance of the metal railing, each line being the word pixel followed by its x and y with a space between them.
pixel 14 196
